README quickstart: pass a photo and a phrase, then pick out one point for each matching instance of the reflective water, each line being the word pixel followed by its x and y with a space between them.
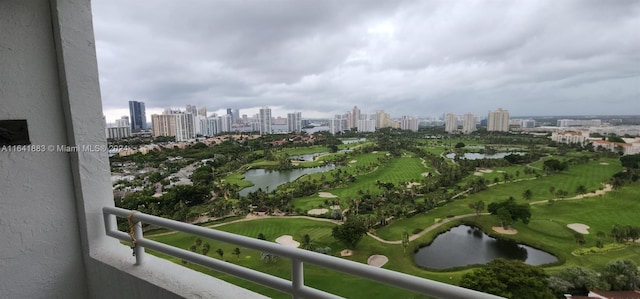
pixel 263 178
pixel 476 156
pixel 466 245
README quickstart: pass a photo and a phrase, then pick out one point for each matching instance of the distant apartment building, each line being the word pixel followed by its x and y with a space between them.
pixel 202 111
pixel 123 122
pixel 527 123
pixel 563 123
pixel 570 137
pixel 339 123
pixel 618 130
pixel 117 133
pixel 366 123
pixel 294 122
pixel 469 123
pixel 409 123
pixel 355 117
pixel 265 121
pixel 226 123
pixel 383 119
pixel 192 109
pixel 138 116
pixel 450 123
pixel 174 124
pixel 498 121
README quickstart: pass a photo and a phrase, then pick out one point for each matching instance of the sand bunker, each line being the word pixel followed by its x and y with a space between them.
pixel 485 170
pixel 604 163
pixel 409 185
pixel 326 195
pixel 425 174
pixel 353 161
pixel 478 173
pixel 377 260
pixel 579 227
pixel 335 207
pixel 317 211
pixel 287 240
pixel 346 252
pixel 374 152
pixel 502 230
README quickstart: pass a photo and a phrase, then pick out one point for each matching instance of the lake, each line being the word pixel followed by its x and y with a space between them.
pixel 477 156
pixel 263 178
pixel 467 245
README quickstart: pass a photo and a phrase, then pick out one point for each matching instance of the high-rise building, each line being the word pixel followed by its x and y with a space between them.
pixel 468 123
pixel 163 125
pixel 527 123
pixel 355 117
pixel 214 125
pixel 192 109
pixel 117 133
pixel 226 123
pixel 138 116
pixel 294 122
pixel 265 121
pixel 123 122
pixel 383 119
pixel 409 123
pixel 202 111
pixel 450 123
pixel 366 123
pixel 498 121
pixel 339 123
pixel 174 123
pixel 236 115
pixel 185 130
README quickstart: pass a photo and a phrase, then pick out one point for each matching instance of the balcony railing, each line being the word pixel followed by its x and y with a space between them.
pixel 295 287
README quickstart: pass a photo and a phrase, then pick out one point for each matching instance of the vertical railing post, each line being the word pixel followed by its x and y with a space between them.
pixel 297 277
pixel 138 250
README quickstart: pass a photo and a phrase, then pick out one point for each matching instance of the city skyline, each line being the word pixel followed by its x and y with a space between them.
pixel 407 58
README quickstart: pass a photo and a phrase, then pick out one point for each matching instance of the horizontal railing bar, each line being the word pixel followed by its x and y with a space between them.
pixel 397 279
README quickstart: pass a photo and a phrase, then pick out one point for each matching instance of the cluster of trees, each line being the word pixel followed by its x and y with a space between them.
pixel 623 233
pixel 515 279
pixel 555 165
pixel 350 232
pixel 174 204
pixel 508 211
pixel 619 275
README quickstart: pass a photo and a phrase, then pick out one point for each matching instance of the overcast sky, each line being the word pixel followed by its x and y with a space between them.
pixel 419 58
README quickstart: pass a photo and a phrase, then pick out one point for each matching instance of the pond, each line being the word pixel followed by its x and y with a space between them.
pixel 350 141
pixel 263 178
pixel 467 245
pixel 307 157
pixel 477 156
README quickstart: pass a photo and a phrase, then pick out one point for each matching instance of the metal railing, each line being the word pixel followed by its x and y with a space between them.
pixel 298 257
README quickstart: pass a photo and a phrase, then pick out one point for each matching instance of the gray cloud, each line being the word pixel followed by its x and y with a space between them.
pixel 408 58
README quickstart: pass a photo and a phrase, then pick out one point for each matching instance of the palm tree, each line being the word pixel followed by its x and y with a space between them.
pixel 405 241
pixel 220 253
pixel 236 252
pixel 526 195
pixel 477 206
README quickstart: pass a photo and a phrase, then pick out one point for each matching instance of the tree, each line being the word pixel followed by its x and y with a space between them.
pixel 509 278
pixel 205 248
pixel 236 252
pixel 351 232
pixel 405 241
pixel 505 217
pixel 517 212
pixel 268 258
pixel 581 189
pixel 622 275
pixel 306 242
pixel 576 281
pixel 554 165
pixel 527 194
pixel 477 206
pixel 220 252
pixel 261 236
pixel 460 145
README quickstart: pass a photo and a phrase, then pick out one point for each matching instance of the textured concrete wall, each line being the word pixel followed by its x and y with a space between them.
pixel 52 237
pixel 40 252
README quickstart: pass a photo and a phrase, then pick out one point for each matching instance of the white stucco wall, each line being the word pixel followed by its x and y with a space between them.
pixel 40 252
pixel 52 238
